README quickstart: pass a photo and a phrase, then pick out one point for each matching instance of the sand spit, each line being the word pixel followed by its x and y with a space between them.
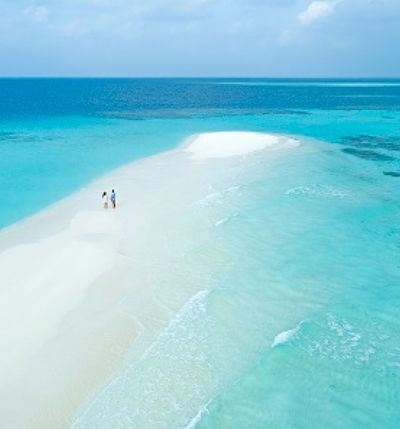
pixel 80 284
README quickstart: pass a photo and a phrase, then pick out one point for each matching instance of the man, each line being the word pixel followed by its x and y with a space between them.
pixel 113 197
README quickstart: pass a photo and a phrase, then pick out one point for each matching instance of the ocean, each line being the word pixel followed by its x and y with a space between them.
pixel 296 324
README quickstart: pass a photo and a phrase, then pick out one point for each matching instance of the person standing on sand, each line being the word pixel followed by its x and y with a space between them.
pixel 113 199
pixel 104 197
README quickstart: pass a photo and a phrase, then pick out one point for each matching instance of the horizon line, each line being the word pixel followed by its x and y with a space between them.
pixel 202 77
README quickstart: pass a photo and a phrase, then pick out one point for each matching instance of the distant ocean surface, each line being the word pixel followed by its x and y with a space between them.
pixel 302 326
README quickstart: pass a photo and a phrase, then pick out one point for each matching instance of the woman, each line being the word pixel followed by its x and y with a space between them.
pixel 104 197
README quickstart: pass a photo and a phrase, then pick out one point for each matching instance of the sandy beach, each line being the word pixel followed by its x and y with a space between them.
pixel 81 285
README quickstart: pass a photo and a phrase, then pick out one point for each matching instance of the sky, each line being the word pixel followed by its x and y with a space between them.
pixel 157 38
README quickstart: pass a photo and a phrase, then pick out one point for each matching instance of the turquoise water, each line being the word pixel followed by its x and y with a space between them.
pixel 299 327
pixel 328 269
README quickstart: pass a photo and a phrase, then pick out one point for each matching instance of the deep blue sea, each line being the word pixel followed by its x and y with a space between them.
pixel 314 253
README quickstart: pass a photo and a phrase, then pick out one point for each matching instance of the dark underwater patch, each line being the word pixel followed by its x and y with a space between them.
pixel 391 143
pixel 6 136
pixel 291 112
pixel 368 154
pixel 197 113
pixel 392 173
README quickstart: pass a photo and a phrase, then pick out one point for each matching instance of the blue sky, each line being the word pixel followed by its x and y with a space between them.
pixel 290 38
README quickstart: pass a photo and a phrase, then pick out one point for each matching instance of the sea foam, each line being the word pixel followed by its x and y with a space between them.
pixel 285 336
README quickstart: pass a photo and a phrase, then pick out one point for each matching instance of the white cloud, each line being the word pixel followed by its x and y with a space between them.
pixel 317 11
pixel 36 13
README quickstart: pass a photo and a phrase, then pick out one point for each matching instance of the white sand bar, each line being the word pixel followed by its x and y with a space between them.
pixel 227 144
pixel 80 285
